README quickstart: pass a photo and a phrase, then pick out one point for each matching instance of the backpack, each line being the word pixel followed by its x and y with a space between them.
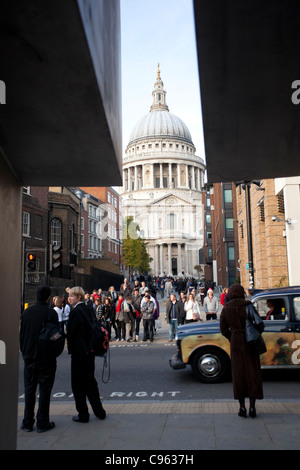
pixel 100 339
pixel 51 342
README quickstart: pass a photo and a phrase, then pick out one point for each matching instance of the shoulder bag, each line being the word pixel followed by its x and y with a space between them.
pixel 252 333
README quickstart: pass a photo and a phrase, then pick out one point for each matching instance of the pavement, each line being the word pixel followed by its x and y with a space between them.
pixel 160 426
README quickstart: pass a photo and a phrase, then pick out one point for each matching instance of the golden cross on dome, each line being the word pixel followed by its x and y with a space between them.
pixel 158 72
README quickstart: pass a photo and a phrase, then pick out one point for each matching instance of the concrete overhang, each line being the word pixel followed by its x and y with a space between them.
pixel 248 58
pixel 61 66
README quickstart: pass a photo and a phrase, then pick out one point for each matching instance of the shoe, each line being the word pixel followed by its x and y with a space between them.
pixel 26 428
pixel 77 419
pixel 49 426
pixel 252 412
pixel 101 415
pixel 242 412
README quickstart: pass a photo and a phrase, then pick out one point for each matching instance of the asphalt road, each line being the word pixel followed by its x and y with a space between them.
pixel 140 371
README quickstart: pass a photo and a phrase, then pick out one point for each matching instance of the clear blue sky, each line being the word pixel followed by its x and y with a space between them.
pixel 160 31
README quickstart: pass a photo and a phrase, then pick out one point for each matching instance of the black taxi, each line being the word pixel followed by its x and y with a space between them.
pixel 202 346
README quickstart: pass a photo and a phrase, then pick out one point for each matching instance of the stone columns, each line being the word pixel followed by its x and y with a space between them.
pixel 179 259
pixel 169 258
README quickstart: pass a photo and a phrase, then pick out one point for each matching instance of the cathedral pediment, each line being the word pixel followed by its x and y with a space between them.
pixel 171 200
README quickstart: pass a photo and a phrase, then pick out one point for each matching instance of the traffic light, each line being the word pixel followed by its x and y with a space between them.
pixel 56 256
pixel 31 264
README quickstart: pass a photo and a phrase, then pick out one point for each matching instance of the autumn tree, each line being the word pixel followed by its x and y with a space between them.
pixel 135 254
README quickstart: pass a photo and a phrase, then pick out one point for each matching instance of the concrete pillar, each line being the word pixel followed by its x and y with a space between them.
pixel 169 259
pixel 135 178
pixel 161 258
pixel 156 261
pixel 161 184
pixel 152 175
pixel 170 175
pixel 187 175
pixel 10 282
pixel 193 178
pixel 179 260
pixel 129 179
pixel 178 175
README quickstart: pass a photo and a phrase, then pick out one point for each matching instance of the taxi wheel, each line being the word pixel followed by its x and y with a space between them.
pixel 210 365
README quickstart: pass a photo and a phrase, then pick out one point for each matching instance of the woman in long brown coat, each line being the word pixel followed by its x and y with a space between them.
pixel 245 363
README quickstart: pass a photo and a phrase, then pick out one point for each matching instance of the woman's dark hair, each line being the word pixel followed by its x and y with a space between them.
pixel 236 291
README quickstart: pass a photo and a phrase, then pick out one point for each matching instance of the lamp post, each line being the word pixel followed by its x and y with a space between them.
pixel 246 185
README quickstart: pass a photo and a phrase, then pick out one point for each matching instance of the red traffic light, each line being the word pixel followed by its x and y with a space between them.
pixel 31 265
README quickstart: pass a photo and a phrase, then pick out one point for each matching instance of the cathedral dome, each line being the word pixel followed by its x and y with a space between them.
pixel 159 122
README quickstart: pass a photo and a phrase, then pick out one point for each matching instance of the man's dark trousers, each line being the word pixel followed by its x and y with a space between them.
pixel 84 385
pixel 34 375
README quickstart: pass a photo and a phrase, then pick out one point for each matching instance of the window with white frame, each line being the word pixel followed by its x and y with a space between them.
pixel 55 231
pixel 26 224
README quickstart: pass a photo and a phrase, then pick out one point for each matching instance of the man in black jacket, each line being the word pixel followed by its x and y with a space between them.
pixel 37 372
pixel 173 316
pixel 84 384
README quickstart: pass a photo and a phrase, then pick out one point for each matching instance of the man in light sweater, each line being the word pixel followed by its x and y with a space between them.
pixel 210 305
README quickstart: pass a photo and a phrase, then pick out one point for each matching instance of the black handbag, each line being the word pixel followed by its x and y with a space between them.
pixel 252 334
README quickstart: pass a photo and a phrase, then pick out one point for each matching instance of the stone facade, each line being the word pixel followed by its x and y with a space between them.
pixel 162 186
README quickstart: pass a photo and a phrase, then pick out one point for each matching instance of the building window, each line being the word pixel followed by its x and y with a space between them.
pixel 55 232
pixel 72 238
pixel 231 254
pixel 228 196
pixel 208 218
pixel 229 223
pixel 26 224
pixel 171 221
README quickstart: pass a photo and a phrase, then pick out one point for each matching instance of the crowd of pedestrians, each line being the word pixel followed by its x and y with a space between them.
pixel 123 312
pixel 188 303
pixel 120 312
pixel 128 313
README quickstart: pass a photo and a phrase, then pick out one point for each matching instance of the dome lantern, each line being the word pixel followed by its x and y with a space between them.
pixel 159 122
pixel 159 95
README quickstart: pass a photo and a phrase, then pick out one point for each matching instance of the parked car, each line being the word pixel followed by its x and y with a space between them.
pixel 202 346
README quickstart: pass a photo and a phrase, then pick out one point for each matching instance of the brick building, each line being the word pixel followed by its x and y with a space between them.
pixel 268 236
pixel 221 252
pixel 111 209
pixel 64 231
pixel 34 233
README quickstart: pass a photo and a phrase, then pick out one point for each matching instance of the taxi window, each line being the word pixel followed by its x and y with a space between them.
pixel 272 309
pixel 296 301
